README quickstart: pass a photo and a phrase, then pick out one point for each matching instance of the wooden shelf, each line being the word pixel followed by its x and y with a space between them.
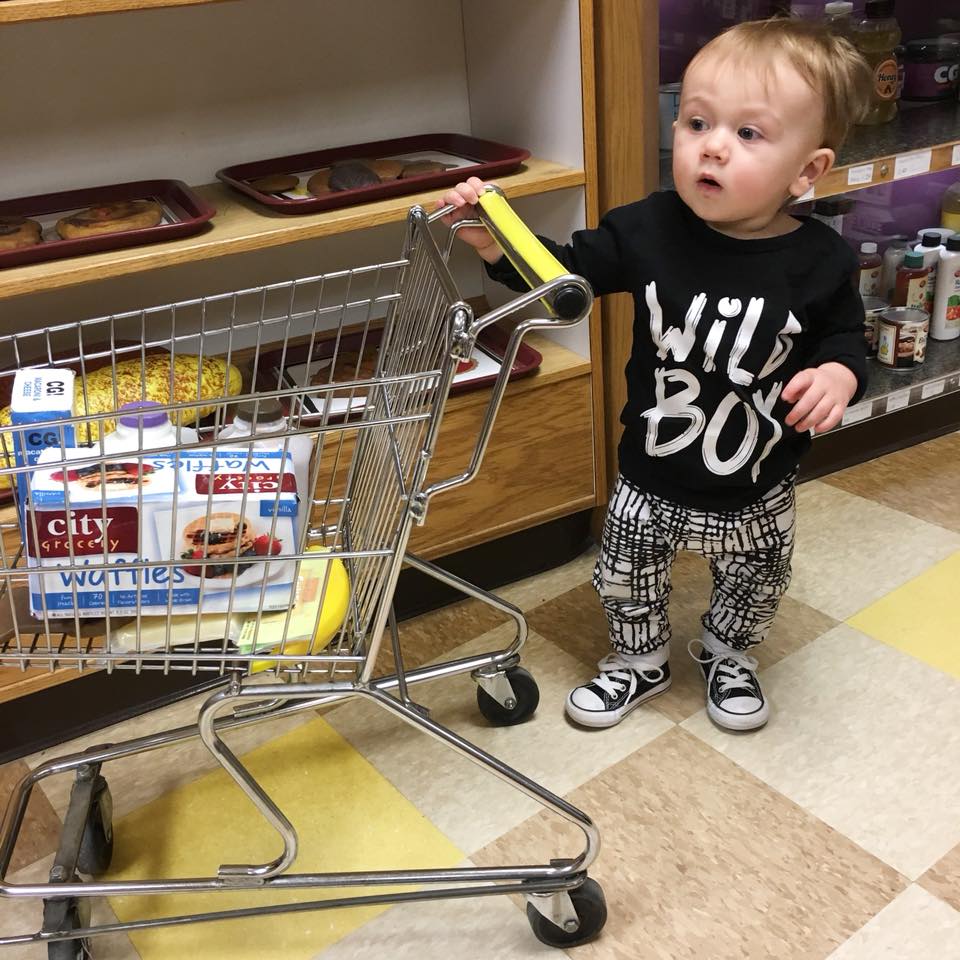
pixel 23 11
pixel 922 139
pixel 240 226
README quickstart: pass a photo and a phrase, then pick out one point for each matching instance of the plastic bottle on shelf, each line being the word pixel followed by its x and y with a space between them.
pixel 838 16
pixel 264 420
pixel 870 265
pixel 930 246
pixel 950 207
pixel 945 319
pixel 877 36
pixel 144 425
pixel 911 286
pixel 892 258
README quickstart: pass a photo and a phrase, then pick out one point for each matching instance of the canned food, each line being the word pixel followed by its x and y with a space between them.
pixel 902 337
pixel 873 309
pixel 669 110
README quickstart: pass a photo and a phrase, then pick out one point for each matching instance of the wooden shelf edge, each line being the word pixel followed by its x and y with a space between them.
pixel 240 227
pixel 454 545
pixel 871 173
pixel 27 11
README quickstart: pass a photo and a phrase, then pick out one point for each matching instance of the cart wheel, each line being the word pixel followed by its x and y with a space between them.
pixel 527 695
pixel 77 917
pixel 96 847
pixel 591 907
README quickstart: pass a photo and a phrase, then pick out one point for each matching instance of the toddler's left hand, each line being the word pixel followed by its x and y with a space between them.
pixel 819 395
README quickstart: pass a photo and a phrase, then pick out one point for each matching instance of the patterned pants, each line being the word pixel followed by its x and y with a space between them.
pixel 749 552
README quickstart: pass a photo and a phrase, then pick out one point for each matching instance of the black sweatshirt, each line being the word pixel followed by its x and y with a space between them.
pixel 720 327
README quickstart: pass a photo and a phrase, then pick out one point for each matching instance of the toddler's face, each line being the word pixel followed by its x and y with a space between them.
pixel 743 143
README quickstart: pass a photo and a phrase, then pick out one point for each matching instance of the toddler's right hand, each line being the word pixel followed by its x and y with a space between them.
pixel 464 197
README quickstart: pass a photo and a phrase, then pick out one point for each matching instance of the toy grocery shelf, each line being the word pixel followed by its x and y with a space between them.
pixel 21 11
pixel 241 226
pixel 892 390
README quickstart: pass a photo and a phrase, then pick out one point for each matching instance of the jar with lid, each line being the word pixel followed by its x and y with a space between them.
pixel 892 258
pixel 877 36
pixel 838 16
pixel 911 287
pixel 870 266
pixel 832 210
pixel 931 69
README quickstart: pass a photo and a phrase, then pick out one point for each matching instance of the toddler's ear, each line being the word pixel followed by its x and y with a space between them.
pixel 818 164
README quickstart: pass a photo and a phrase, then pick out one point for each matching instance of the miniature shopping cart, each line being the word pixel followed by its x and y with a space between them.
pixel 282 592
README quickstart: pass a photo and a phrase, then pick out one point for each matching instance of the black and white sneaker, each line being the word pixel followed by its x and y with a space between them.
pixel 734 698
pixel 615 691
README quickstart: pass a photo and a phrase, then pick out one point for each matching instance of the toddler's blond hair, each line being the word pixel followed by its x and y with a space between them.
pixel 831 65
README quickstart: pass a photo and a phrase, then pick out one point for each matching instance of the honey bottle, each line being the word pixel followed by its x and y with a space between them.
pixel 877 36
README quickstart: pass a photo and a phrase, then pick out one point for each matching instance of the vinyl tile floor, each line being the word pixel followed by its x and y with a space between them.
pixel 831 834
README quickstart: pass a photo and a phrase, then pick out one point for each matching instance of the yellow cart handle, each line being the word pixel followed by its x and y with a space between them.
pixel 532 260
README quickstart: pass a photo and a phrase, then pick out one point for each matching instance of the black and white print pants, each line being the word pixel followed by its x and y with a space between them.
pixel 749 552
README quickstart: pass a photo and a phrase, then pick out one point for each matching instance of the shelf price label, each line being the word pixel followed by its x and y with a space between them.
pixel 955 156
pixel 932 389
pixel 860 174
pixel 856 413
pixel 910 164
pixel 898 400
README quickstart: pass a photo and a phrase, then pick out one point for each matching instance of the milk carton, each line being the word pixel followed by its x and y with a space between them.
pixel 41 396
pixel 207 527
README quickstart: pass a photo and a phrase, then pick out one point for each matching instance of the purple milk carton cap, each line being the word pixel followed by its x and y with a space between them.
pixel 150 414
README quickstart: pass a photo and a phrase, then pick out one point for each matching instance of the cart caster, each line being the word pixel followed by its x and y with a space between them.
pixel 591 909
pixel 73 914
pixel 96 846
pixel 520 703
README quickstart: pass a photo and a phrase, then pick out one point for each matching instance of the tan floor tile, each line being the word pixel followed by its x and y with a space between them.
pixel 866 738
pixel 920 480
pixel 40 832
pixel 25 916
pixel 485 928
pixel 852 551
pixel 433 635
pixel 531 592
pixel 943 878
pixel 575 622
pixel 469 804
pixel 700 859
pixel 915 926
pixel 138 779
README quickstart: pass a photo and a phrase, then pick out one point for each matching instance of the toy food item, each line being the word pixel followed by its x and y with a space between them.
pixel 17 232
pixel 350 175
pixel 421 167
pixel 386 169
pixel 319 183
pixel 276 183
pixel 110 218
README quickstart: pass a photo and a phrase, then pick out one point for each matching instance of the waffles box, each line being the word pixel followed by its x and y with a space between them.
pixel 205 525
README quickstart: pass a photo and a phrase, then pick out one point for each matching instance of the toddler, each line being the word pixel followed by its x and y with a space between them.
pixel 747 336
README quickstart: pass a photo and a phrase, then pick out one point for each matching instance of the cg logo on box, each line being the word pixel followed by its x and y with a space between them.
pixel 45 438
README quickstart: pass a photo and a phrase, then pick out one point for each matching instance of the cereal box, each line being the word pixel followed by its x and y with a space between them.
pixel 161 533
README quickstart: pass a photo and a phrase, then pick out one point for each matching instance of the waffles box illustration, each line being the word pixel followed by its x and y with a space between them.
pixel 203 524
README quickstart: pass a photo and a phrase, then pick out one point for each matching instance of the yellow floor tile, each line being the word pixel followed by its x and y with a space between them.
pixel 347 815
pixel 921 618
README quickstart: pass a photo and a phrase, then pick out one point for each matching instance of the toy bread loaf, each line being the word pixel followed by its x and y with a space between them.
pixel 135 380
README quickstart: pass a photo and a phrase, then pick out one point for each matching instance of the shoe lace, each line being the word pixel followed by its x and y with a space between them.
pixel 615 673
pixel 736 671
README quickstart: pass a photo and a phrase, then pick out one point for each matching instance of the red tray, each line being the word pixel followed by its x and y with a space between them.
pixel 485 159
pixel 491 344
pixel 184 213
